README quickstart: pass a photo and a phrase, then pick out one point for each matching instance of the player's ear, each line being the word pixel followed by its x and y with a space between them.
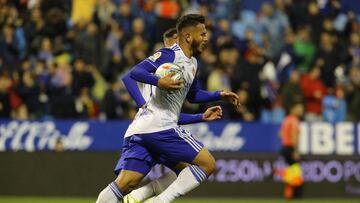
pixel 188 38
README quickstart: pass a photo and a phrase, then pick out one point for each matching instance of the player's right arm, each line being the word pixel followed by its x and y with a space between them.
pixel 212 113
pixel 144 71
pixel 133 89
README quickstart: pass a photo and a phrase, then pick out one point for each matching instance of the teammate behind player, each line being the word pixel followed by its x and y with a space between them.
pixel 170 37
pixel 154 136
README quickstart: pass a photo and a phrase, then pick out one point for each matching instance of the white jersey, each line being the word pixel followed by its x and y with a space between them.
pixel 163 106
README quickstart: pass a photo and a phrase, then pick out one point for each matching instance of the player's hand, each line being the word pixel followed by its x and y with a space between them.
pixel 168 83
pixel 212 113
pixel 231 97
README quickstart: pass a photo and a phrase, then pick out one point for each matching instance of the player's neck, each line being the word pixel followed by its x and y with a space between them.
pixel 186 49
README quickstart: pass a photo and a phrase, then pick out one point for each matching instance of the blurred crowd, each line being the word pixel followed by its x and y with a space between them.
pixel 65 58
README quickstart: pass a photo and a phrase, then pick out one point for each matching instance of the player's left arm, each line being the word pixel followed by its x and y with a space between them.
pixel 211 114
pixel 197 95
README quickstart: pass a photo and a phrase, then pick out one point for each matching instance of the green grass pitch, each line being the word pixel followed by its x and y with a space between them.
pixel 184 200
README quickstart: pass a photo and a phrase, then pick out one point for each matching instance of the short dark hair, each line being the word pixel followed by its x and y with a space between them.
pixel 169 33
pixel 189 20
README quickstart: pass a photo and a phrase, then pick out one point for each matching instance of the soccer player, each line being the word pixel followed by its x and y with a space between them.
pixel 170 37
pixel 154 136
pixel 290 132
pixel 155 187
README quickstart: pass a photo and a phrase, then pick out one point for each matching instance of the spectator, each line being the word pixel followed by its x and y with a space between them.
pixel 314 19
pixel 59 145
pixel 206 60
pixel 55 22
pixel 353 94
pixel 314 90
pixel 112 104
pixel 114 56
pixel 246 111
pixel 116 103
pixel 328 58
pixel 223 35
pixel 334 106
pixel 219 78
pixel 135 50
pixel 291 92
pixel 246 76
pixel 84 104
pixel 288 59
pixel 82 78
pixel 304 48
pixel 5 84
pixel 274 23
pixel 34 30
pixel 167 11
pixel 62 100
pixel 9 49
pixel 354 49
pixel 103 12
pixel 45 52
pixel 29 91
pixel 124 17
pixel 88 45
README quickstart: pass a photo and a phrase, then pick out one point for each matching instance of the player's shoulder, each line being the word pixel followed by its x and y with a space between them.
pixel 163 55
pixel 175 47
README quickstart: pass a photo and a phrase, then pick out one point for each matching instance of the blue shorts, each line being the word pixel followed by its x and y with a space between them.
pixel 169 147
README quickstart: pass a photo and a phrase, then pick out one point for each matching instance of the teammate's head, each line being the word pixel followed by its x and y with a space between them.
pixel 170 37
pixel 192 31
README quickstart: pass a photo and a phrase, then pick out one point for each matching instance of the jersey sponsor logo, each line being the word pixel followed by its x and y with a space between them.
pixel 155 57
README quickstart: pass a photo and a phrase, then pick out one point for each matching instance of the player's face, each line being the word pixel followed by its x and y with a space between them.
pixel 200 39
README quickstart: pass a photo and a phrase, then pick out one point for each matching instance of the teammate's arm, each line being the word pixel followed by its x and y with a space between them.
pixel 211 114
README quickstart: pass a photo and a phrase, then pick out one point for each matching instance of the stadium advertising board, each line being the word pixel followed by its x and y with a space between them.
pixel 324 176
pixel 224 136
pixel 236 174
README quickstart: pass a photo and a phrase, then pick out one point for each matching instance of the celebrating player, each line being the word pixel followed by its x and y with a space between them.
pixel 154 136
pixel 156 186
